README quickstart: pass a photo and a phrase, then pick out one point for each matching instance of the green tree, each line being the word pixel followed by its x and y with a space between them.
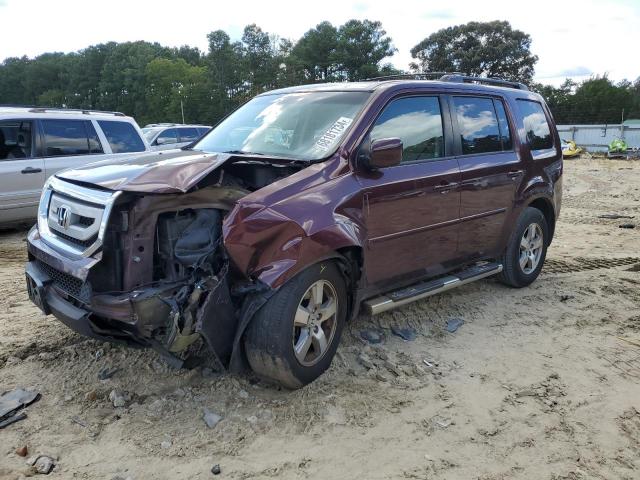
pixel 492 49
pixel 315 53
pixel 170 82
pixel 361 47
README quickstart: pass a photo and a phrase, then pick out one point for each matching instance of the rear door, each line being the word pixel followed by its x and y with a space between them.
pixel 69 144
pixel 167 140
pixel 187 135
pixel 412 209
pixel 21 171
pixel 491 171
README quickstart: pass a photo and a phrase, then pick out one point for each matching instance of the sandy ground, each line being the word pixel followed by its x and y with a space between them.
pixel 539 383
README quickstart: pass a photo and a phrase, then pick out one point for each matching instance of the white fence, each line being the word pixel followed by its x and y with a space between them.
pixel 596 138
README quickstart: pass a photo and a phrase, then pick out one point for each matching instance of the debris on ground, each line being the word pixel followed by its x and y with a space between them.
pixel 42 464
pixel 216 469
pixel 11 402
pixel 106 373
pixel 371 336
pixel 22 451
pixel 408 334
pixel 365 361
pixel 564 298
pixel 91 396
pixel 211 418
pixel 454 324
pixel 118 398
pixel 627 225
pixel 614 216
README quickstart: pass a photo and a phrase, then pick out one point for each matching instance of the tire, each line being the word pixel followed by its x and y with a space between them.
pixel 278 325
pixel 513 273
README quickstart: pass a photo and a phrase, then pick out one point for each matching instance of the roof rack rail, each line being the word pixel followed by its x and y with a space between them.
pixel 451 77
pixel 410 76
pixel 80 110
pixel 459 78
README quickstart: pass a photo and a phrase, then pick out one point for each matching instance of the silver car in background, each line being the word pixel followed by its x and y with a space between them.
pixel 165 136
pixel 35 143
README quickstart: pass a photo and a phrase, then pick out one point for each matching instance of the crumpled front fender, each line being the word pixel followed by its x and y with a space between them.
pixel 268 246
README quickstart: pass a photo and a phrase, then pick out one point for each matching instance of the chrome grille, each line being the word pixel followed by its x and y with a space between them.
pixel 73 219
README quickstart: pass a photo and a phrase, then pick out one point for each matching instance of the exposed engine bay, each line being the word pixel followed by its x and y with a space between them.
pixel 164 279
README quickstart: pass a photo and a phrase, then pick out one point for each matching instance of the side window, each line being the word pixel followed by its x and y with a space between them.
pixel 536 125
pixel 15 139
pixel 122 137
pixel 188 134
pixel 478 125
pixel 65 138
pixel 505 133
pixel 169 136
pixel 94 142
pixel 417 121
pixel 203 131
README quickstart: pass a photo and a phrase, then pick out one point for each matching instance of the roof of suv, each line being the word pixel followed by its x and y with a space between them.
pixel 47 112
pixel 398 84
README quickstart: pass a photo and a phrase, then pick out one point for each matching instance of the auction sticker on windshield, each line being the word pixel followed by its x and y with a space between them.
pixel 333 134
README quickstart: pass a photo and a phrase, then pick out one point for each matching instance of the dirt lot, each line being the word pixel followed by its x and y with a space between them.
pixel 539 383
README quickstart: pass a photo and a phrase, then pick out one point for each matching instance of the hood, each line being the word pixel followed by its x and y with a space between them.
pixel 156 172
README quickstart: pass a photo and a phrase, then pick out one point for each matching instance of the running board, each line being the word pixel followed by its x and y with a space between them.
pixel 422 290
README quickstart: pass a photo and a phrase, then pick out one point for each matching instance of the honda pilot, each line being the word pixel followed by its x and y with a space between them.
pixel 255 245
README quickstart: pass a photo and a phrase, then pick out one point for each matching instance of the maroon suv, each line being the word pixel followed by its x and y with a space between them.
pixel 254 246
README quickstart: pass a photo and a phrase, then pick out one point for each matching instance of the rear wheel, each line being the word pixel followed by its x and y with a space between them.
pixel 294 336
pixel 526 251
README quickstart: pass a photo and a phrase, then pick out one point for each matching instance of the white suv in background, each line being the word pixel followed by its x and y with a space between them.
pixel 165 136
pixel 35 143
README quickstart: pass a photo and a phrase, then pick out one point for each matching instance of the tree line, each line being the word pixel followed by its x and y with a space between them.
pixel 154 83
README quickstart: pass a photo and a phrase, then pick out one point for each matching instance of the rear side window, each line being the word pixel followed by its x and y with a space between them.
pixel 66 138
pixel 15 139
pixel 122 137
pixel 416 121
pixel 478 125
pixel 535 125
pixel 169 136
pixel 188 134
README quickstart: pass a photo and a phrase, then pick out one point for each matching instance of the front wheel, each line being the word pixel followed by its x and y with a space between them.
pixel 526 251
pixel 294 336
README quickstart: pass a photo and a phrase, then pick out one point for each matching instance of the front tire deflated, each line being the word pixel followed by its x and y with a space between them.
pixel 294 336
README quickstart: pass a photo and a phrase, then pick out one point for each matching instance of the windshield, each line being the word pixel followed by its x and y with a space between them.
pixel 305 126
pixel 149 133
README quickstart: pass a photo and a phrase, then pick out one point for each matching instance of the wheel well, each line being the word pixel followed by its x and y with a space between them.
pixel 351 261
pixel 547 210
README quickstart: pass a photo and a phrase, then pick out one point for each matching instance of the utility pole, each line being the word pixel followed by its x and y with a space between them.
pixel 182 110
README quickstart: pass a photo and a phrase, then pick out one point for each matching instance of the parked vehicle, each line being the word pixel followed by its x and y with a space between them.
pixel 257 244
pixel 35 143
pixel 165 136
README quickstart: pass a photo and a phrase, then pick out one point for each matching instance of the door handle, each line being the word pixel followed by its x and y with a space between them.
pixel 515 173
pixel 445 187
pixel 31 170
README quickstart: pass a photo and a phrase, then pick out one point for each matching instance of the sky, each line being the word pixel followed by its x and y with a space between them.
pixel 574 39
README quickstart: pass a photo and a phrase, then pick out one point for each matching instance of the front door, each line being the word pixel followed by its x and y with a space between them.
pixel 491 171
pixel 412 209
pixel 21 172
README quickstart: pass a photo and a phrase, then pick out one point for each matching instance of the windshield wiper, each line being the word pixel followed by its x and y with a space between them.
pixel 242 152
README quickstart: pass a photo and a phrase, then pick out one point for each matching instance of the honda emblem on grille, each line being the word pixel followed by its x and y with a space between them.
pixel 64 216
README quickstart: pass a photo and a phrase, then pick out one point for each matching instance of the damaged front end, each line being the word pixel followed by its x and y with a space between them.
pixel 144 269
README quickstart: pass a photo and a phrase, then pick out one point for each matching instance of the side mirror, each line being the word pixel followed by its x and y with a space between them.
pixel 385 152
